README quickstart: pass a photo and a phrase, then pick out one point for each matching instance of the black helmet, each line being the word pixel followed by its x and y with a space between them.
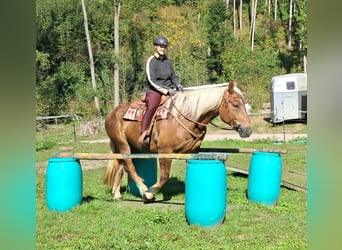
pixel 160 40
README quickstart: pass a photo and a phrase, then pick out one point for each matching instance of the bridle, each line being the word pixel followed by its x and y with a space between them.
pixel 226 99
pixel 234 127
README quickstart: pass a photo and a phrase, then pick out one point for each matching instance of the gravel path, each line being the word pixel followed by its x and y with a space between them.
pixel 211 137
pixel 276 137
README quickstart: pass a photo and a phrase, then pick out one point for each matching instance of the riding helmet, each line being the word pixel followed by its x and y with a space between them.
pixel 160 40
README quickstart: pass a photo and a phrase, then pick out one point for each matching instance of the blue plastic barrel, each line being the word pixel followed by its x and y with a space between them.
pixel 264 178
pixel 63 184
pixel 146 169
pixel 205 192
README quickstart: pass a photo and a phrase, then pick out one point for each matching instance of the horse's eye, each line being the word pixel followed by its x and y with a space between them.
pixel 236 107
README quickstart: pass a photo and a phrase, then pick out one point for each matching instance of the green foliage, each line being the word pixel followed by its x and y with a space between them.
pixel 217 37
pixel 202 47
pixel 45 145
pixel 253 70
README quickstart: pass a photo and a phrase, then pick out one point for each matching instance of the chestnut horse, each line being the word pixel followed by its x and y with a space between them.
pixel 182 132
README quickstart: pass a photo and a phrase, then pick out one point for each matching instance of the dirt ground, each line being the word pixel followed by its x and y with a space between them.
pixel 263 129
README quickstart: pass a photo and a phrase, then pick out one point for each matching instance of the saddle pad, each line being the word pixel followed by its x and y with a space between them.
pixel 136 112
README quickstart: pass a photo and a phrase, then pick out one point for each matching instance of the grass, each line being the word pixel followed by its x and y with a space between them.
pixel 293 162
pixel 101 223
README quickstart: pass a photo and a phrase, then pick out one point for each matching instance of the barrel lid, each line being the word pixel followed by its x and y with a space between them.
pixel 61 159
pixel 265 153
pixel 210 156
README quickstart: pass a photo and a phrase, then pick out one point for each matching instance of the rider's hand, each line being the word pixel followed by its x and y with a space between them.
pixel 172 92
pixel 180 87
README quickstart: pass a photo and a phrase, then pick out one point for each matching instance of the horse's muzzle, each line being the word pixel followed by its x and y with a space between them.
pixel 244 132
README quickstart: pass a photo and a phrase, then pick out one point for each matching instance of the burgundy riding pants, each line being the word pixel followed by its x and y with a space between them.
pixel 152 103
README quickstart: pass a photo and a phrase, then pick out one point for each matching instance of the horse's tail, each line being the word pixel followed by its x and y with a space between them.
pixel 112 169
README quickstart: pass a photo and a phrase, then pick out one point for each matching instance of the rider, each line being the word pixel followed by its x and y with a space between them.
pixel 161 80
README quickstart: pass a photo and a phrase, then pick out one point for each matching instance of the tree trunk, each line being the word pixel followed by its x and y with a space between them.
pixel 234 18
pixel 269 7
pixel 252 9
pixel 240 16
pixel 227 12
pixel 254 4
pixel 275 10
pixel 117 6
pixel 290 26
pixel 227 4
pixel 91 60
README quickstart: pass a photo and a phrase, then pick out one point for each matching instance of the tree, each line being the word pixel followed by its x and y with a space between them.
pixel 59 39
pixel 117 7
pixel 290 25
pixel 234 17
pixel 254 4
pixel 136 47
pixel 202 47
pixel 240 16
pixel 217 37
pixel 300 29
pixel 90 51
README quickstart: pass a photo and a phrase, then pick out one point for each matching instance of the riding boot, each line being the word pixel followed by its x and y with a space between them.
pixel 144 138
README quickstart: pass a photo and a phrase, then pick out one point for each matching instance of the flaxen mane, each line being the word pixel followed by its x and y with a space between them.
pixel 193 103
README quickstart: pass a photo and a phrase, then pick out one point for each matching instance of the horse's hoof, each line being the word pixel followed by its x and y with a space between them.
pixel 148 197
pixel 117 198
pixel 149 201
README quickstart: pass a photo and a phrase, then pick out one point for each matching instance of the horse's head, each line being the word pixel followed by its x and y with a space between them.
pixel 233 111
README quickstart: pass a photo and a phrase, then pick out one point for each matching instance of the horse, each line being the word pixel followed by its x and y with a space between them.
pixel 183 131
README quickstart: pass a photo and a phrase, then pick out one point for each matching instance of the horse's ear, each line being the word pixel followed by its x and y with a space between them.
pixel 231 87
pixel 232 84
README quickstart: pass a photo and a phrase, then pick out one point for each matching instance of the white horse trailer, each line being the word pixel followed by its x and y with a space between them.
pixel 288 97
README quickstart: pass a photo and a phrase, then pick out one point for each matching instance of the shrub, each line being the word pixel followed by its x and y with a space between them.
pixel 45 145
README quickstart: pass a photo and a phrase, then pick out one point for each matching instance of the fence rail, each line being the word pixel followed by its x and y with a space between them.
pixel 205 153
pixel 98 156
pixel 56 117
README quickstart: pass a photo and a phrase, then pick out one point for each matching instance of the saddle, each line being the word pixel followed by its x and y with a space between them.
pixel 137 109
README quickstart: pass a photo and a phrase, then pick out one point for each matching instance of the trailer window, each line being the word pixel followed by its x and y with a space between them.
pixel 290 85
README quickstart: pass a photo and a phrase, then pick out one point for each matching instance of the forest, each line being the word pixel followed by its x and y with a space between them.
pixel 82 44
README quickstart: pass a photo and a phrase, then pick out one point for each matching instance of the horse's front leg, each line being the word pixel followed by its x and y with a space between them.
pixel 164 165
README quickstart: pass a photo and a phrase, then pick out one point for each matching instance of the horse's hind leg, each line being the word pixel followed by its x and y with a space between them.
pixel 119 144
pixel 114 173
pixel 117 181
pixel 113 177
pixel 164 165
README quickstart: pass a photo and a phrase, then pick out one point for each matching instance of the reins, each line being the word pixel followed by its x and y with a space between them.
pixel 231 128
